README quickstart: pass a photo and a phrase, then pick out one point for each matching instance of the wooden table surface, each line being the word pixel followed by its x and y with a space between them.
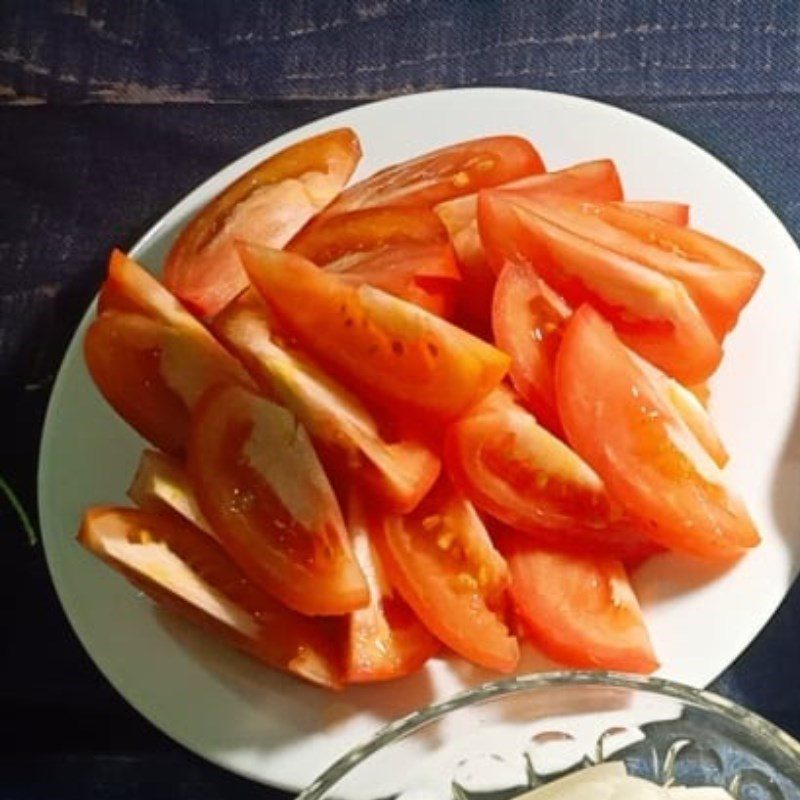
pixel 112 111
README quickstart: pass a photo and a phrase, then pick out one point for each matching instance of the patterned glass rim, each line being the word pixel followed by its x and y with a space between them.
pixel 700 698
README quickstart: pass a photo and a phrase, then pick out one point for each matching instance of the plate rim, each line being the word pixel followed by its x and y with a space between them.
pixel 178 209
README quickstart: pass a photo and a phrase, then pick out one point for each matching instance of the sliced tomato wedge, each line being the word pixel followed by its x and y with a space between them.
pixel 153 374
pixel 594 180
pixel 578 609
pixel 188 573
pixel 719 278
pixel 161 483
pixel 527 320
pixel 261 486
pixel 687 405
pixel 442 174
pixel 129 287
pixel 676 213
pixel 647 456
pixel 518 472
pixel 442 562
pixel 268 204
pixel 347 435
pixel 385 640
pixel 380 344
pixel 404 251
pixel 652 312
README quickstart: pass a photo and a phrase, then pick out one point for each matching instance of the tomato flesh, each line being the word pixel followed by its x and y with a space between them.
pixel 442 174
pixel 719 278
pixel 188 573
pixel 379 344
pixel 269 204
pixel 262 488
pixel 578 609
pixel 153 374
pixel 347 435
pixel 647 456
pixel 651 311
pixel 162 484
pixel 131 288
pixel 527 319
pixel 676 213
pixel 404 251
pixel 438 560
pixel 595 180
pixel 518 472
pixel 385 640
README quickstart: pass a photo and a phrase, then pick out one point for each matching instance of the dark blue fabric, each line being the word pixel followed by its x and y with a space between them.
pixel 113 111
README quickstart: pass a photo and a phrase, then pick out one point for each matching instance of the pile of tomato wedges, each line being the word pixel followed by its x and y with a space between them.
pixel 450 406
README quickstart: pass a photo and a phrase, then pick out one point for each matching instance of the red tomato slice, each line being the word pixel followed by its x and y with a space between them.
pixel 651 311
pixel 593 180
pixel 384 346
pixel 719 278
pixel 129 287
pixel 578 609
pixel 268 204
pixel 676 213
pixel 439 175
pixel 517 471
pixel 161 484
pixel 153 374
pixel 260 484
pixel 441 561
pixel 384 640
pixel 687 405
pixel 188 573
pixel 622 423
pixel 404 251
pixel 347 435
pixel 527 320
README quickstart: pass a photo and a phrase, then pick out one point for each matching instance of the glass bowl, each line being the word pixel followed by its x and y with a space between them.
pixel 506 737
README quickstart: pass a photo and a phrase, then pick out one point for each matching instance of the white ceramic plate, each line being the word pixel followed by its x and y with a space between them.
pixel 281 732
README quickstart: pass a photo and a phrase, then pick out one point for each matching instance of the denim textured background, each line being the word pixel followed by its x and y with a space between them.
pixel 110 112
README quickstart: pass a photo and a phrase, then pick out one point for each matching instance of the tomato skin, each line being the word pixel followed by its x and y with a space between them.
pixel 375 343
pixel 268 204
pixel 187 572
pixel 579 609
pixel 347 435
pixel 260 485
pixel 527 319
pixel 518 472
pixel 652 312
pixel 595 180
pixel 591 180
pixel 385 640
pixel 719 278
pixel 130 288
pixel 442 174
pixel 150 358
pixel 404 251
pixel 666 210
pixel 328 240
pixel 647 456
pixel 441 579
pixel 152 373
